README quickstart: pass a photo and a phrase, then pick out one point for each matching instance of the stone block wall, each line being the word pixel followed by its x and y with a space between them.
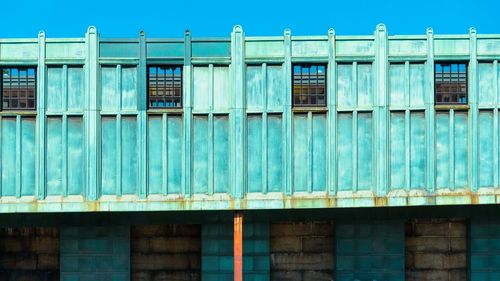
pixel 29 254
pixel 436 249
pixel 302 251
pixel 166 252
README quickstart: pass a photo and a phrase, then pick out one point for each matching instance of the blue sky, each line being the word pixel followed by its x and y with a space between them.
pixel 67 18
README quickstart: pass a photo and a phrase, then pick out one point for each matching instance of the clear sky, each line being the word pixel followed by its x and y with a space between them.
pixel 167 18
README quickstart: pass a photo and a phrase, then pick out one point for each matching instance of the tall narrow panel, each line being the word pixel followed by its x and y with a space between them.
pixel 397 148
pixel 129 155
pixel 221 154
pixel 255 97
pixel 365 154
pixel 344 86
pixel 486 149
pixel 54 156
pixel 174 153
pixel 397 84
pixel 300 152
pixel 201 88
pixel 274 86
pixel 417 150
pixel 417 84
pixel 75 88
pixel 461 149
pixel 109 96
pixel 274 153
pixel 254 153
pixel 319 153
pixel 129 88
pixel 222 99
pixel 76 170
pixel 487 95
pixel 365 93
pixel 28 153
pixel 155 152
pixel 54 88
pixel 8 156
pixel 344 153
pixel 442 150
pixel 108 154
pixel 200 154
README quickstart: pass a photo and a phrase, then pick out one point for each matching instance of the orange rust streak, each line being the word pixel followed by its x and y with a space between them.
pixel 238 246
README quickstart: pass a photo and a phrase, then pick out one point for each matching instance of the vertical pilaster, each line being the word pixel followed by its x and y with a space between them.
pixel 474 112
pixel 40 120
pixel 381 110
pixel 430 113
pixel 287 111
pixel 238 154
pixel 91 114
pixel 142 118
pixel 187 94
pixel 332 114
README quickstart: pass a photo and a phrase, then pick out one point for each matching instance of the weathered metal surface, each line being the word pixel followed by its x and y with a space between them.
pixel 237 142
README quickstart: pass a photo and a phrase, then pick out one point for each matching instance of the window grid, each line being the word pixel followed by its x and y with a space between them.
pixel 309 84
pixel 450 83
pixel 18 88
pixel 164 87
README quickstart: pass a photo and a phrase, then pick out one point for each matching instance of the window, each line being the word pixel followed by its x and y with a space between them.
pixel 164 86
pixel 309 85
pixel 18 88
pixel 450 83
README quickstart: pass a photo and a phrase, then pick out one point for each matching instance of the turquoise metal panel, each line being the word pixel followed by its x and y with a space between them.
pixel 19 51
pixel 55 89
pixel 300 152
pixel 345 151
pixel 254 176
pixel 275 83
pixel 355 48
pixel 275 153
pixel 200 154
pixel 27 159
pixel 264 49
pixel 486 77
pixel 110 95
pixel 221 154
pixel 119 50
pixel 365 151
pixel 451 47
pixel 8 156
pixel 397 86
pixel 255 94
pixel 442 150
pixel 165 49
pixel 221 96
pixel 417 85
pixel 407 47
pixel 174 152
pixel 364 80
pixel 155 154
pixel 310 48
pixel 108 154
pixel 345 91
pixel 76 88
pixel 488 47
pixel 461 149
pixel 318 164
pixel 211 49
pixel 95 253
pixel 65 50
pixel 54 156
pixel 486 148
pixel 417 150
pixel 201 88
pixel 129 88
pixel 76 167
pixel 397 148
pixel 370 251
pixel 129 155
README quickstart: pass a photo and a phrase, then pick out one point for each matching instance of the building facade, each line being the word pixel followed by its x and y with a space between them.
pixel 256 158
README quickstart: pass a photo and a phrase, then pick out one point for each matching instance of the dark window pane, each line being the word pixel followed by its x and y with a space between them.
pixel 18 88
pixel 309 84
pixel 450 83
pixel 165 86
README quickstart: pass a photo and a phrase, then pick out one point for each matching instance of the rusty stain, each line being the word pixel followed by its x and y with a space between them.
pixel 381 201
pixel 238 246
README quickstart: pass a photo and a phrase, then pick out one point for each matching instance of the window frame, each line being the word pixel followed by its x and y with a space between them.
pixel 310 106
pixel 19 67
pixel 458 63
pixel 165 108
